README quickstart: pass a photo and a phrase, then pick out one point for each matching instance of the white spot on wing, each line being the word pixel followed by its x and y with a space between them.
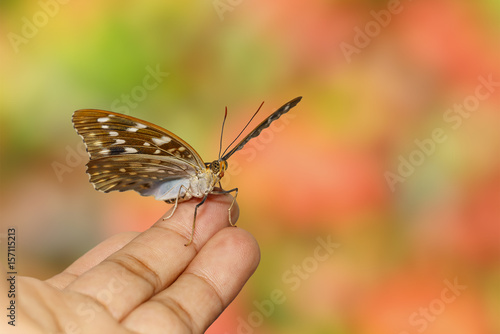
pixel 157 151
pixel 130 150
pixel 123 170
pixel 162 140
pixel 182 149
pixel 146 144
pixel 105 126
pixel 103 119
pixel 105 151
pixel 132 129
pixel 119 141
pixel 113 133
pixel 286 108
pixel 140 125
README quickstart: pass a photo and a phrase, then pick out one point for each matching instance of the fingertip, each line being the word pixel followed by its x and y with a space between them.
pixel 228 260
pixel 242 244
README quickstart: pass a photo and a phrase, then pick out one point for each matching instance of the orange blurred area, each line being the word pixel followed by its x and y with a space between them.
pixel 393 153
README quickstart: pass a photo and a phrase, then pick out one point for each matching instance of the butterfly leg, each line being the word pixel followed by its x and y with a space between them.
pixel 173 210
pixel 176 201
pixel 235 190
pixel 194 218
pixel 232 203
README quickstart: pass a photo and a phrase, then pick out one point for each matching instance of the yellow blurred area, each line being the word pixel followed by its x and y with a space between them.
pixel 393 154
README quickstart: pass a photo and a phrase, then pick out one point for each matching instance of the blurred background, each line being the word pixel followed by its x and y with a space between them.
pixel 392 155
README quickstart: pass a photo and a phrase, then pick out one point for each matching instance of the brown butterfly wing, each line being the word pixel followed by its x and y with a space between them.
pixel 127 153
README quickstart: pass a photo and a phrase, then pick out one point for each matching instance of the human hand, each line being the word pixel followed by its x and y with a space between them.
pixel 145 282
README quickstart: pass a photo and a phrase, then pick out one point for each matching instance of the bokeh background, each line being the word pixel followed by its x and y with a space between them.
pixel 319 172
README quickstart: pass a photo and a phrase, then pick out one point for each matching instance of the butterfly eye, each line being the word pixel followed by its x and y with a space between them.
pixel 215 167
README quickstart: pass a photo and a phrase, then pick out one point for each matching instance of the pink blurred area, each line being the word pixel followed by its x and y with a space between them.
pixel 318 173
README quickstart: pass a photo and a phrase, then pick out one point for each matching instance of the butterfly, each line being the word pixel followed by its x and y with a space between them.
pixel 127 153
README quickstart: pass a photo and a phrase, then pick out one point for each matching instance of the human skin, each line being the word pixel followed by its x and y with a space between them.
pixel 145 282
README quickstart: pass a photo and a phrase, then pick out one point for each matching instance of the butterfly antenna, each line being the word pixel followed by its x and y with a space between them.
pixel 243 129
pixel 222 132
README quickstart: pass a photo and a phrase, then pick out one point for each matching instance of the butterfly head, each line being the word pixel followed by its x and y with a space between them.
pixel 218 167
